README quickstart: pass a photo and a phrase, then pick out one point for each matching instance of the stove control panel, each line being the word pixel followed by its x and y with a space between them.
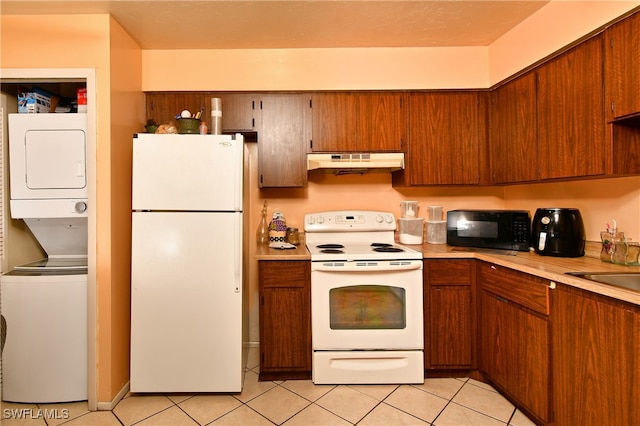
pixel 349 221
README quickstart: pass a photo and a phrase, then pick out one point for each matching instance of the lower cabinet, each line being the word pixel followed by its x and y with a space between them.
pixel 515 337
pixel 449 314
pixel 596 359
pixel 285 319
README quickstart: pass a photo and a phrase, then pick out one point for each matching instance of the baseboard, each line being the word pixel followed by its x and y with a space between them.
pixel 108 406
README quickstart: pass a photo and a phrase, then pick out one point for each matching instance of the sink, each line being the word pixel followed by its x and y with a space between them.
pixel 628 280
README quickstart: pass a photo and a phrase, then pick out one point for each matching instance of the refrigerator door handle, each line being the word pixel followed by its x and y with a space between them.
pixel 237 246
pixel 238 171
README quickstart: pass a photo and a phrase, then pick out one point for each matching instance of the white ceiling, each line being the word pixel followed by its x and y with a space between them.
pixel 264 24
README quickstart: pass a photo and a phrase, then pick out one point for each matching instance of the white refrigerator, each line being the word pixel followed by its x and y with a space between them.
pixel 187 294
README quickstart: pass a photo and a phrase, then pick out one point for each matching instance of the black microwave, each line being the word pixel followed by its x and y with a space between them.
pixel 496 229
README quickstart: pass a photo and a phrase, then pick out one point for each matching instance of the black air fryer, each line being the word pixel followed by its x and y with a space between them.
pixel 558 232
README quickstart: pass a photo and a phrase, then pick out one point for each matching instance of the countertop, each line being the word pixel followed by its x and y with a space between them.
pixel 551 268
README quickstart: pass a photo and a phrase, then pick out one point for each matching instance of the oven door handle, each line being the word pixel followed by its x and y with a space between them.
pixel 367 265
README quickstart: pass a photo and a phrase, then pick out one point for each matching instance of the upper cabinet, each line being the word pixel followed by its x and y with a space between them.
pixel 334 122
pixel 447 133
pixel 513 131
pixel 284 130
pixel 622 65
pixel 358 122
pixel 571 128
pixel 382 122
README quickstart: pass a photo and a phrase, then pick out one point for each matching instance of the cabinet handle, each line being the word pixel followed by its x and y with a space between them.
pixel 552 285
pixel 493 267
pixel 502 299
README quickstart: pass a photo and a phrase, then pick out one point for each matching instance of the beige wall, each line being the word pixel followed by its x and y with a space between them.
pixel 557 24
pixel 127 116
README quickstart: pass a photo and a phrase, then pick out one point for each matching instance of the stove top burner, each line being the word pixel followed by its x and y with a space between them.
pixel 330 246
pixel 381 245
pixel 331 251
pixel 388 249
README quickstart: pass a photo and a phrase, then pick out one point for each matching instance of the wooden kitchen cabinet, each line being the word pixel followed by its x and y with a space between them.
pixel 334 122
pixel 447 137
pixel 237 108
pixel 515 337
pixel 596 359
pixel 513 131
pixel 570 109
pixel 285 319
pixel 449 307
pixel 622 65
pixel 382 122
pixel 283 123
pixel 358 122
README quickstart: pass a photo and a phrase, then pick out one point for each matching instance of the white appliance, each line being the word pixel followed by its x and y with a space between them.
pixel 187 264
pixel 45 354
pixel 366 300
pixel 44 302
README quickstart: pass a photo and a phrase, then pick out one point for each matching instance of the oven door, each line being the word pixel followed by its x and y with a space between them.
pixel 369 305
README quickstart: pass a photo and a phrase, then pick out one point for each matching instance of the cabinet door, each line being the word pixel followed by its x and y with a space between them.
pixel 334 122
pixel 516 352
pixel 237 111
pixel 596 357
pixel 571 128
pixel 515 337
pixel 445 131
pixel 285 317
pixel 382 122
pixel 283 137
pixel 449 314
pixel 622 59
pixel 513 134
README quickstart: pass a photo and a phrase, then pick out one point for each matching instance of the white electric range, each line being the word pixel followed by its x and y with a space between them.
pixel 366 300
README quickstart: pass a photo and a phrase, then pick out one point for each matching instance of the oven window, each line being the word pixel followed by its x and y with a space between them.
pixel 367 307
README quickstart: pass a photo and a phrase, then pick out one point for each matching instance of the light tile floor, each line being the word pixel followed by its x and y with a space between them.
pixel 440 402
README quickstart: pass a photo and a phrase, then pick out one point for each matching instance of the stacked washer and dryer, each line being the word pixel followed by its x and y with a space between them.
pixel 44 302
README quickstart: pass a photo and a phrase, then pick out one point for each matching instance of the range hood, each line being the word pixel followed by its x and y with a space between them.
pixel 351 163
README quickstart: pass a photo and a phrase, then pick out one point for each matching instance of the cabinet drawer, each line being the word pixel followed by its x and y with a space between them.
pixel 524 289
pixel 284 273
pixel 449 272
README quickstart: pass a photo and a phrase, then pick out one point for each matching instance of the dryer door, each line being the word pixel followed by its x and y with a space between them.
pixel 55 159
pixel 48 156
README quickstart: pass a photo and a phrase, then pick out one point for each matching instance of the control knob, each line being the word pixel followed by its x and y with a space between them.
pixel 81 207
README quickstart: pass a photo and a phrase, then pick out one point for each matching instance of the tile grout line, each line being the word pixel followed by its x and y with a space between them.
pixel 472 409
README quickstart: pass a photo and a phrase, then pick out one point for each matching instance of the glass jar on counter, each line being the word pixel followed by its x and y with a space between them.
pixel 293 237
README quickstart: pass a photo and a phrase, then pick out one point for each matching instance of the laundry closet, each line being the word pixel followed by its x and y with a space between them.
pixel 44 301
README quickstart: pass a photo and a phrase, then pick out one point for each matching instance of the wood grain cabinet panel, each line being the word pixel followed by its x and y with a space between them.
pixel 358 122
pixel 515 340
pixel 284 124
pixel 596 359
pixel 446 130
pixel 382 122
pixel 571 120
pixel 334 122
pixel 513 131
pixel 622 65
pixel 449 314
pixel 285 319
